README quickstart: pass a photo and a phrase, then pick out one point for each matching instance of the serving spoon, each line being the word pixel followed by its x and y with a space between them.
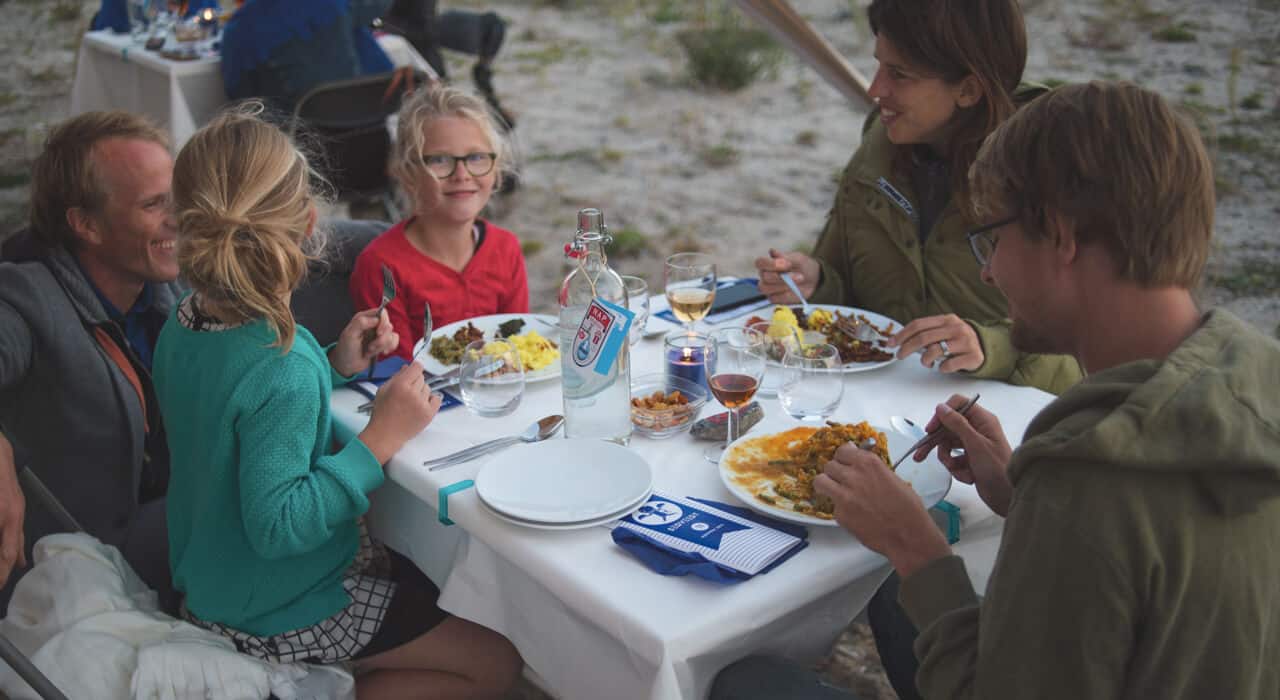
pixel 537 431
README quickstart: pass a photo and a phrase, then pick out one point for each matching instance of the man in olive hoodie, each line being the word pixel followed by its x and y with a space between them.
pixel 1139 556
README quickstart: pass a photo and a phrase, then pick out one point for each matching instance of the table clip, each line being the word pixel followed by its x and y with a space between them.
pixel 953 520
pixel 451 489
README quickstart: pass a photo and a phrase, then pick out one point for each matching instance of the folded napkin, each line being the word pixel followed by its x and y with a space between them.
pixel 719 542
pixel 383 370
pixel 663 311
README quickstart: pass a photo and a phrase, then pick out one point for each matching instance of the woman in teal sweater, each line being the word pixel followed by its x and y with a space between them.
pixel 266 538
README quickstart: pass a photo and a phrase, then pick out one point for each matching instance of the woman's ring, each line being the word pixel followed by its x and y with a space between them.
pixel 946 351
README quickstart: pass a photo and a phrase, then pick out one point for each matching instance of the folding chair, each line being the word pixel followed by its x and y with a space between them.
pixel 37 492
pixel 349 117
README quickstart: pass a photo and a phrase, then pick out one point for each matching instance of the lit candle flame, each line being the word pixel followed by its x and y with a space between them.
pixel 688 354
pixel 207 14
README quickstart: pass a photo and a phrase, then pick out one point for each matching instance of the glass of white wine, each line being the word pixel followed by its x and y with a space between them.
pixel 691 286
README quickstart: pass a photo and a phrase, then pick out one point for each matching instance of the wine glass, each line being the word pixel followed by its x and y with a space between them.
pixel 735 361
pixel 638 304
pixel 691 286
pixel 807 387
pixel 491 378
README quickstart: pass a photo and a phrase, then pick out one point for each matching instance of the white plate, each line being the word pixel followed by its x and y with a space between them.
pixel 489 324
pixel 563 481
pixel 567 526
pixel 878 320
pixel 929 479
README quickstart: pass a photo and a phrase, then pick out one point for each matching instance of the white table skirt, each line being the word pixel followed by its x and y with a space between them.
pixel 113 72
pixel 593 622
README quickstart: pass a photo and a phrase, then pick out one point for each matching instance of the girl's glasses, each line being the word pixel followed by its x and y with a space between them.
pixel 443 165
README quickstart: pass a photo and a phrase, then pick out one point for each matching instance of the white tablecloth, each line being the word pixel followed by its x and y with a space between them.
pixel 114 72
pixel 591 621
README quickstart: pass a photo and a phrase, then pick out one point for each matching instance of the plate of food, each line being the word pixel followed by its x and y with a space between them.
pixel 773 473
pixel 824 324
pixel 538 353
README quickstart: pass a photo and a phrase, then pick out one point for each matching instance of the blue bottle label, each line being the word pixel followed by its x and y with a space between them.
pixel 600 336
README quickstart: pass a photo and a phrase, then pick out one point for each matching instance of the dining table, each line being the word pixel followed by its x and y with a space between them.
pixel 116 71
pixel 589 619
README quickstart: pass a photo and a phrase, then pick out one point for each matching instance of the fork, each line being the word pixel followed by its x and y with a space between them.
pixel 858 330
pixel 388 293
pixel 931 439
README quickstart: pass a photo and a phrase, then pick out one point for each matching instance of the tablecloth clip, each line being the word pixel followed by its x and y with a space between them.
pixel 953 520
pixel 448 491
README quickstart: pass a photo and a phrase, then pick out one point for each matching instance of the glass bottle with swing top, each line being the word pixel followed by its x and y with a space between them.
pixel 595 366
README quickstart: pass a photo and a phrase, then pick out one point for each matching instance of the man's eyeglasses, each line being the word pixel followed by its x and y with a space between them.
pixel 983 244
pixel 443 165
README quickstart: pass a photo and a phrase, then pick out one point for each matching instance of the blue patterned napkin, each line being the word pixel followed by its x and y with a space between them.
pixel 716 541
pixel 383 370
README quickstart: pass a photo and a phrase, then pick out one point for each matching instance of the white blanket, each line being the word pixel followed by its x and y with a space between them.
pixel 87 621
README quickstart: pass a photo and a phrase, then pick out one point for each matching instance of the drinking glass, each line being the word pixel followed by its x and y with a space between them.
pixel 491 378
pixel 808 387
pixel 638 304
pixel 139 19
pixel 778 341
pixel 735 361
pixel 691 286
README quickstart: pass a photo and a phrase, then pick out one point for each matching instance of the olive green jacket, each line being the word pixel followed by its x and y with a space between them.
pixel 1139 556
pixel 871 257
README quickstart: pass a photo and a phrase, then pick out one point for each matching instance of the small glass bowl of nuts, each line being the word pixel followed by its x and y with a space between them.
pixel 662 406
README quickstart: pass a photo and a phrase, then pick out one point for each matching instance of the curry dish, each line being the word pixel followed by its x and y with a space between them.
pixel 779 469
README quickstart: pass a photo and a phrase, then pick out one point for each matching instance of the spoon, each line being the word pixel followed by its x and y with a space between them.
pixel 537 431
pixel 795 289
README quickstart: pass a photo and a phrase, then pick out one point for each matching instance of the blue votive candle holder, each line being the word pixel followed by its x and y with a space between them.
pixel 685 355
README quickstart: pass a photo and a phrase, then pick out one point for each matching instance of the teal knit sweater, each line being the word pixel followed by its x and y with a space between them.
pixel 262 517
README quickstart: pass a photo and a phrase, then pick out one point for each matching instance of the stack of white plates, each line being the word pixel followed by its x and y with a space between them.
pixel 564 484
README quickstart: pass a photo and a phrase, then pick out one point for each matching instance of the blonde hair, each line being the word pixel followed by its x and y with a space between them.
pixel 1118 163
pixel 425 106
pixel 244 199
pixel 66 175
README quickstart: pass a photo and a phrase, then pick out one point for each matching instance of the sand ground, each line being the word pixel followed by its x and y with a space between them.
pixel 608 117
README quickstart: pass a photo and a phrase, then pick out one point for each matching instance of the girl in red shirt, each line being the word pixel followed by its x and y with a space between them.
pixel 449 157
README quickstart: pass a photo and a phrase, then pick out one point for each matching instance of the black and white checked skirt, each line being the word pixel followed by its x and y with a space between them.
pixel 337 638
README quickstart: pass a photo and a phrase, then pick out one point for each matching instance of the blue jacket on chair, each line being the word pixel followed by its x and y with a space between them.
pixel 277 50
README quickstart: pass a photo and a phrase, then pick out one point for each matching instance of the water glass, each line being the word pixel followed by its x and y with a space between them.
pixel 638 304
pixel 809 387
pixel 777 344
pixel 139 19
pixel 491 378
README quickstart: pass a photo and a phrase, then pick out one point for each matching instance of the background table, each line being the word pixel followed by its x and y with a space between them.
pixel 591 621
pixel 114 72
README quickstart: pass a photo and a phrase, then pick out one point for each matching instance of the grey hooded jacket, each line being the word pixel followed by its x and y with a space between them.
pixel 68 407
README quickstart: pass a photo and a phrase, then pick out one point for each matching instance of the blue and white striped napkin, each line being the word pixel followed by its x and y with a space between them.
pixel 700 530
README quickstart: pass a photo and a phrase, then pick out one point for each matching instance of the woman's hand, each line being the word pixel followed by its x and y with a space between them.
pixel 403 407
pixel 948 338
pixel 985 460
pixel 805 272
pixel 352 353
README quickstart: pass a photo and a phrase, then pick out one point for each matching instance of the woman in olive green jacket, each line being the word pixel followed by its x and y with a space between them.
pixel 895 241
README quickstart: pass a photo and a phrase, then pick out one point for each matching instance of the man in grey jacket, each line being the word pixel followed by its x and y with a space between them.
pixel 83 295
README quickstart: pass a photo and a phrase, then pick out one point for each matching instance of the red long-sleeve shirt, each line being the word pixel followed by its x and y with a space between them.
pixel 493 282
